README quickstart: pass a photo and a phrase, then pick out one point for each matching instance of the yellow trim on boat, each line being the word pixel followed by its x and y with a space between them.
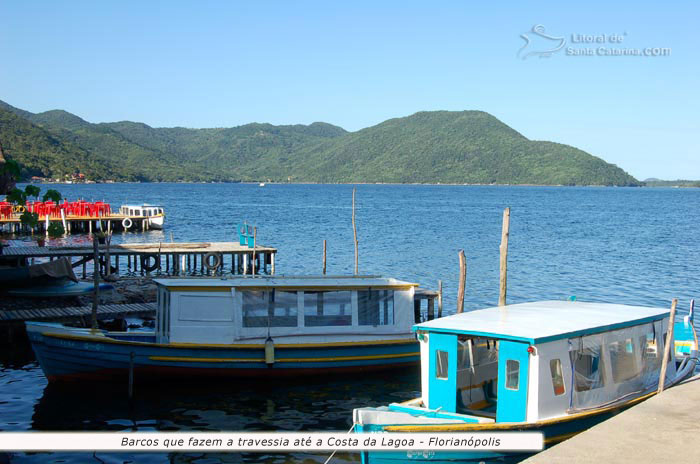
pixel 209 360
pixel 511 425
pixel 229 286
pixel 349 358
pixel 558 438
pixel 100 339
pixel 301 345
pixel 281 360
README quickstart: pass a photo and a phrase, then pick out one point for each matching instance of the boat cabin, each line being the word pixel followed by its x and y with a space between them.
pixel 141 210
pixel 533 361
pixel 291 309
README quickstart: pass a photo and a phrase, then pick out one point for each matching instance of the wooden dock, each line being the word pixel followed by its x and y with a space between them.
pixel 81 224
pixel 194 258
pixel 661 429
pixel 109 311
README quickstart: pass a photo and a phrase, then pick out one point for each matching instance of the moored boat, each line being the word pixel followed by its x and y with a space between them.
pixel 154 214
pixel 558 367
pixel 262 326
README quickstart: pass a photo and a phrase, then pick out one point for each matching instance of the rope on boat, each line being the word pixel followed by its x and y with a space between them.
pixel 334 451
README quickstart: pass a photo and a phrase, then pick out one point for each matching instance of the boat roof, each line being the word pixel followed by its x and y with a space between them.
pixel 145 205
pixel 543 321
pixel 297 282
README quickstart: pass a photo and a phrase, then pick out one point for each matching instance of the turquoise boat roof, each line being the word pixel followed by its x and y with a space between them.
pixel 543 321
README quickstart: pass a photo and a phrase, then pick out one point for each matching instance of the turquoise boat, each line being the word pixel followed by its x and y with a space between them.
pixel 246 327
pixel 557 367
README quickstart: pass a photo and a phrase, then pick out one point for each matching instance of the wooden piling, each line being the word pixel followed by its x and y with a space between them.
pixel 354 231
pixel 255 239
pixel 96 281
pixel 431 309
pixel 324 257
pixel 668 345
pixel 462 281
pixel 439 298
pixel 505 232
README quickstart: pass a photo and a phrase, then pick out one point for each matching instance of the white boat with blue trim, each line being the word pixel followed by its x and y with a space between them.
pixel 247 327
pixel 558 367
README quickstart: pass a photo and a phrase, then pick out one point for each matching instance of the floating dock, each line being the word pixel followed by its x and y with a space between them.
pixel 194 258
pixel 661 429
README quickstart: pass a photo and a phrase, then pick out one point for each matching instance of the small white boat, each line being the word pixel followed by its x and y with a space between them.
pixel 154 214
pixel 556 367
pixel 262 184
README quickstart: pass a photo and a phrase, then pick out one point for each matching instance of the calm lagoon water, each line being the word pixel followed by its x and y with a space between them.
pixel 626 245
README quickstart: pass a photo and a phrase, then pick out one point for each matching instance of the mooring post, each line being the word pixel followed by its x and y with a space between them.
pixel 505 232
pixel 416 311
pixel 462 281
pixel 324 257
pixel 131 375
pixel 439 298
pixel 255 244
pixel 354 231
pixel 96 281
pixel 668 345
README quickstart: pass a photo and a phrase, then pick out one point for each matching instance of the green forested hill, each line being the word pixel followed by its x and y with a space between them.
pixel 427 147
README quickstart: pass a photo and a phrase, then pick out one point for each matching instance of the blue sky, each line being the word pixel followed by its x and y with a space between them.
pixel 355 64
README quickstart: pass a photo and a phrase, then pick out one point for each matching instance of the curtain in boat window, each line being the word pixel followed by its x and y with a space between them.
pixel 615 366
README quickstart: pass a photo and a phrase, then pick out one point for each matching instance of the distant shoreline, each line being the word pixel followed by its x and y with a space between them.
pixel 253 182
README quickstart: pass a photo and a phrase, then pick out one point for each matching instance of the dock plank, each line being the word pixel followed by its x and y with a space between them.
pixel 47 314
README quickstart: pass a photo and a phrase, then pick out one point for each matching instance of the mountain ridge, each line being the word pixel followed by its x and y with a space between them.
pixel 426 147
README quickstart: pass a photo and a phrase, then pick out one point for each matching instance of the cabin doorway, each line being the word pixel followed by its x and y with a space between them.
pixel 477 375
pixel 513 367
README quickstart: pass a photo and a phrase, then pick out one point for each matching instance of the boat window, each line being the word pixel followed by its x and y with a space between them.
pixel 273 308
pixel 557 377
pixel 651 359
pixel 327 308
pixel 622 360
pixel 588 368
pixel 131 212
pixel 441 364
pixel 375 307
pixel 512 374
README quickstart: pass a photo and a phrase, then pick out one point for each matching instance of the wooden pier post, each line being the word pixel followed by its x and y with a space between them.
pixel 668 345
pixel 354 231
pixel 272 263
pixel 416 311
pixel 255 244
pixel 505 232
pixel 96 281
pixel 431 309
pixel 439 299
pixel 324 257
pixel 462 281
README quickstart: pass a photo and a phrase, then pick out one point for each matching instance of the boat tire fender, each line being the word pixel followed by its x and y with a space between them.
pixel 146 263
pixel 212 261
pixel 127 223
